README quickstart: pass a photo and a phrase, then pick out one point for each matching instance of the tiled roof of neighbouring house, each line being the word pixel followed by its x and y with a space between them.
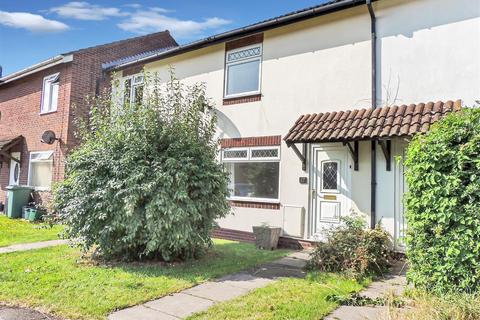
pixel 365 124
pixel 114 63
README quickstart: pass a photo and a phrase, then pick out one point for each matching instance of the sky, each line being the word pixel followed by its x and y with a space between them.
pixel 34 30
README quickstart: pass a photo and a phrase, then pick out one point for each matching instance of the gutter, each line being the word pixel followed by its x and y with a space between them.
pixel 248 30
pixel 36 67
pixel 373 171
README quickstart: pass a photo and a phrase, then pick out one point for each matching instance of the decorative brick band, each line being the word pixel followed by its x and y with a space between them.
pixel 245 99
pixel 236 235
pixel 244 236
pixel 243 42
pixel 257 205
pixel 251 142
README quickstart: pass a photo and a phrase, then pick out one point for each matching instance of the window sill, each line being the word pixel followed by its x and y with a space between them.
pixel 256 200
pixel 242 99
pixel 48 112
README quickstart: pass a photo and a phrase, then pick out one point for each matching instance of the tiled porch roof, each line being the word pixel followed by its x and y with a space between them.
pixel 7 142
pixel 368 124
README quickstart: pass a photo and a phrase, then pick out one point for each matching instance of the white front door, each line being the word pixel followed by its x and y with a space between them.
pixel 330 188
pixel 14 169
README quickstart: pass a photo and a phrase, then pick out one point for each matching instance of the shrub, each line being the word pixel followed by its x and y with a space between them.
pixel 145 182
pixel 353 249
pixel 443 205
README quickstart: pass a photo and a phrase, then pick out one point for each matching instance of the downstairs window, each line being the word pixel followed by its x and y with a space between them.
pixel 40 170
pixel 254 173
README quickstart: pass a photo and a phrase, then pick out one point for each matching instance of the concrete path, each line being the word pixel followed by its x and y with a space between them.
pixel 13 313
pixel 32 246
pixel 199 298
pixel 393 283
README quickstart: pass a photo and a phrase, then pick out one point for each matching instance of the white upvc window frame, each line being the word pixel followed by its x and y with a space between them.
pixel 238 159
pixel 249 159
pixel 240 61
pixel 49 103
pixel 133 84
pixel 30 161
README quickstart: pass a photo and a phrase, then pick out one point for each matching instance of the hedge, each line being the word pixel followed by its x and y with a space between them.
pixel 443 205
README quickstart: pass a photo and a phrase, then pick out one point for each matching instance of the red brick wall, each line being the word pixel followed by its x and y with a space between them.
pixel 251 141
pixel 20 102
pixel 87 68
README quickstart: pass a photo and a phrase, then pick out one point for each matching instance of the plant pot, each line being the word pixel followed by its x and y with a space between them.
pixel 266 237
pixel 35 214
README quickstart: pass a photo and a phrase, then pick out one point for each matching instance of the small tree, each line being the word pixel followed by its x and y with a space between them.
pixel 145 182
pixel 443 204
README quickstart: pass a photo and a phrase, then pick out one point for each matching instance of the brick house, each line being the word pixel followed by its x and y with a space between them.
pixel 41 98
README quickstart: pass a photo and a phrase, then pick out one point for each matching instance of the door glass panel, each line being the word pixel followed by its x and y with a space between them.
pixel 16 173
pixel 330 175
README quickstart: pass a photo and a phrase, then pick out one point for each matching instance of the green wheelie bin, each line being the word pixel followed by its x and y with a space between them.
pixel 17 197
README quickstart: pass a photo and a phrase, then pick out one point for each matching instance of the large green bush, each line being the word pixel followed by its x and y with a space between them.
pixel 145 182
pixel 352 249
pixel 443 205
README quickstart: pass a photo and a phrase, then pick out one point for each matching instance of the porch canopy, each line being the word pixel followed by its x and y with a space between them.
pixel 7 143
pixel 379 124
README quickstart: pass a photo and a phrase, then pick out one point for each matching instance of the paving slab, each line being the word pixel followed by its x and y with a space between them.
pixel 10 313
pixel 393 283
pixel 302 255
pixel 245 280
pixel 180 305
pixel 32 246
pixel 216 291
pixel 292 262
pixel 358 313
pixel 275 271
pixel 140 313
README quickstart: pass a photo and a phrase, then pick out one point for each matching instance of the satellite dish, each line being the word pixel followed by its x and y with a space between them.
pixel 49 137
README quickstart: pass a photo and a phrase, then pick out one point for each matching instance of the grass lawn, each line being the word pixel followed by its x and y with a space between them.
pixel 14 231
pixel 286 299
pixel 57 280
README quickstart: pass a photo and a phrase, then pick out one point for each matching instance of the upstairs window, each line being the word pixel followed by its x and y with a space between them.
pixel 133 89
pixel 254 173
pixel 40 170
pixel 242 71
pixel 50 93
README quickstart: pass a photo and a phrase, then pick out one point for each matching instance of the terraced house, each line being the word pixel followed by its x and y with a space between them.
pixel 38 106
pixel 316 107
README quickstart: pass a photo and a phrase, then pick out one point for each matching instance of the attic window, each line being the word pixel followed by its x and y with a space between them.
pixel 50 93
